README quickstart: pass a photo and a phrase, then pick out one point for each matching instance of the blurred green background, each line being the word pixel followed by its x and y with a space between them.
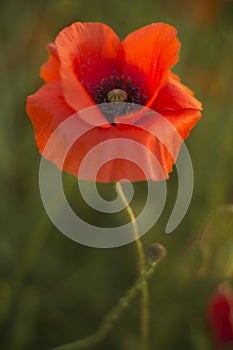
pixel 53 290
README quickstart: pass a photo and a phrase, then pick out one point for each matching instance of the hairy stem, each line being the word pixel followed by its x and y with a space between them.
pixel 114 315
pixel 141 265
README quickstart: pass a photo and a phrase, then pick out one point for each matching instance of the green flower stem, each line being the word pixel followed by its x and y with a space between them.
pixel 141 263
pixel 114 315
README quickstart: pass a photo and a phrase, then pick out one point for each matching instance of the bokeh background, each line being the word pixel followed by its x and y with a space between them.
pixel 53 290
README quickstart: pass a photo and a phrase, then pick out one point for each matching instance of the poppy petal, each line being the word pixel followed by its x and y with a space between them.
pixel 50 70
pixel 183 120
pixel 89 52
pixel 150 52
pixel 174 95
pixel 47 109
pixel 48 112
pixel 124 152
pixel 169 129
pixel 161 135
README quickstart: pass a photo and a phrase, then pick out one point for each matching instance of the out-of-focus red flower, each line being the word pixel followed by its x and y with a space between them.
pixel 207 11
pixel 204 12
pixel 220 317
pixel 89 66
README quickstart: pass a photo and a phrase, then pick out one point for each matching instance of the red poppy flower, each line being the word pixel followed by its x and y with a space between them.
pixel 90 66
pixel 220 317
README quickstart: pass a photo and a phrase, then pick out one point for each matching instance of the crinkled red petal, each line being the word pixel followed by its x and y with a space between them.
pixel 88 53
pixel 50 71
pixel 47 109
pixel 150 52
pixel 175 96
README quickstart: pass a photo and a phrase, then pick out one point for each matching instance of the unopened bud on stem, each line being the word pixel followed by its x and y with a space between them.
pixel 156 252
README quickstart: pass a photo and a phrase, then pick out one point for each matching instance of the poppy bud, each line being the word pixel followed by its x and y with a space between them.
pixel 156 252
pixel 220 317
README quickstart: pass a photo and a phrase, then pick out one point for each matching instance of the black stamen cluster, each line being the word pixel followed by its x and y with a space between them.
pixel 115 82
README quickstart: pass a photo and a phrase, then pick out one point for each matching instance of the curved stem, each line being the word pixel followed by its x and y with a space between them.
pixel 141 263
pixel 113 316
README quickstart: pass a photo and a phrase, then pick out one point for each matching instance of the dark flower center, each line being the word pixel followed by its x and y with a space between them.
pixel 131 94
pixel 120 91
